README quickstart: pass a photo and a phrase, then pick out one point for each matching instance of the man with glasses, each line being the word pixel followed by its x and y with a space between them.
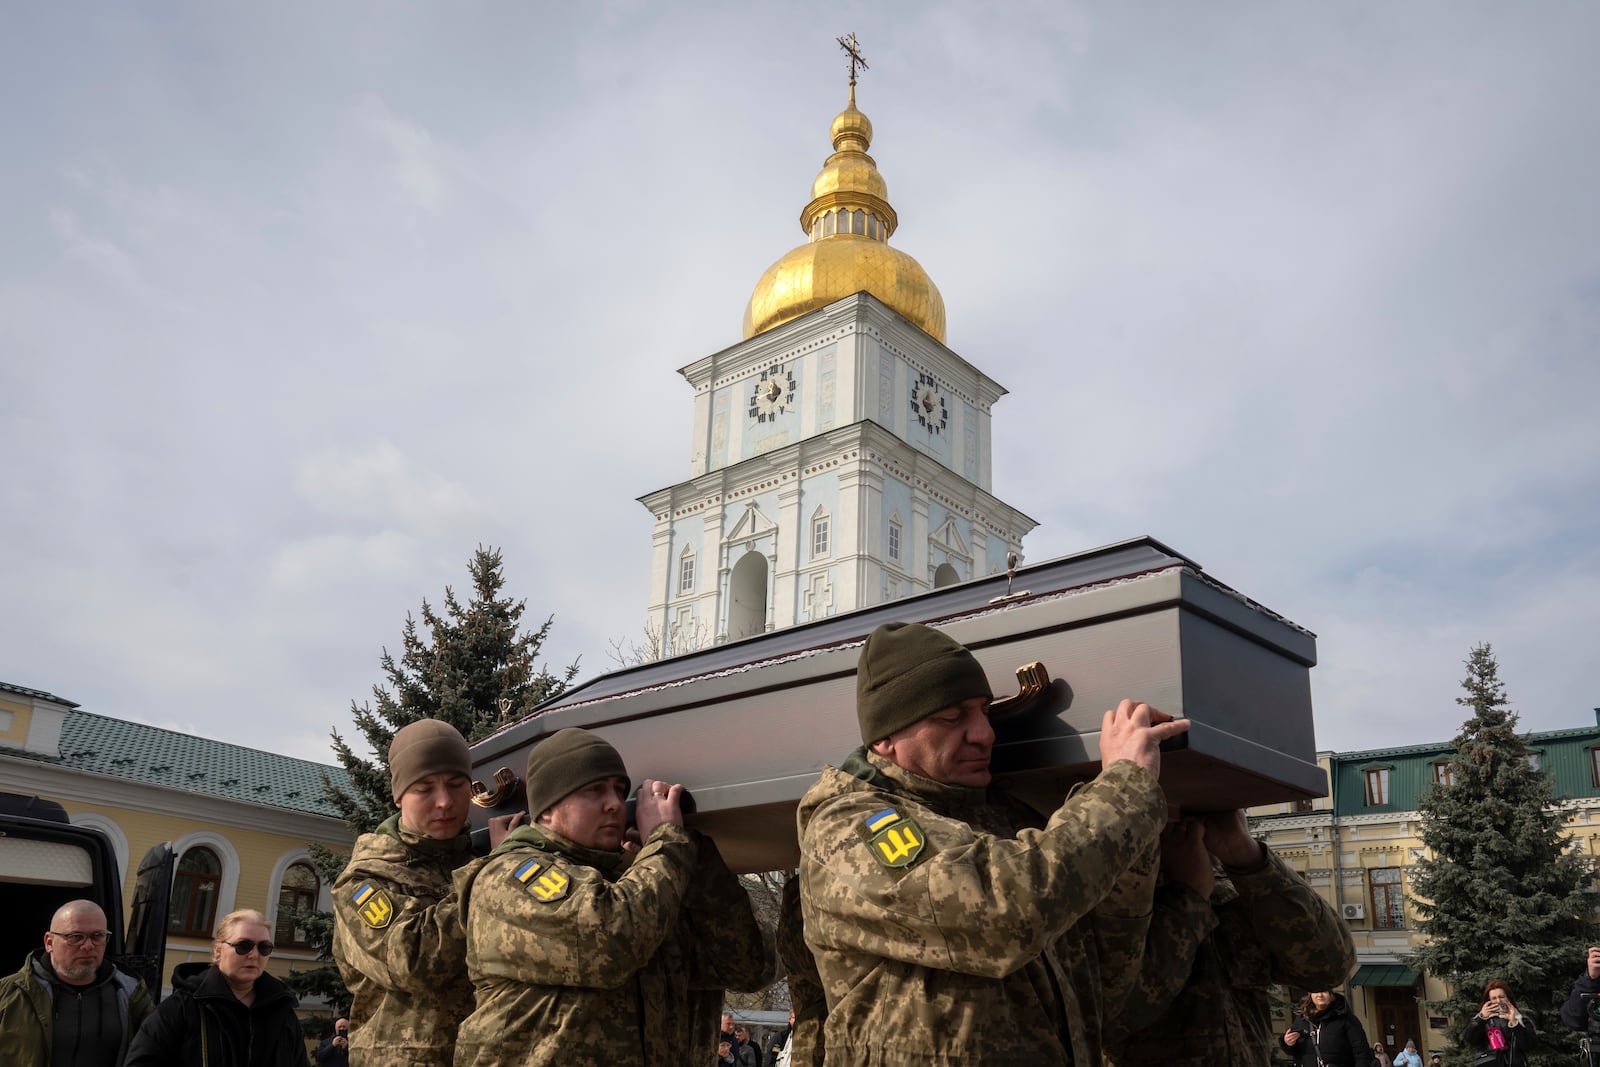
pixel 68 1004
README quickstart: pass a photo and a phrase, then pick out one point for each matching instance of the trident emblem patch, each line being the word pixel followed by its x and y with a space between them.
pixel 374 906
pixel 896 841
pixel 546 883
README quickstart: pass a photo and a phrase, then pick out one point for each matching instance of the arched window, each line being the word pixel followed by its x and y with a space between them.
pixel 299 893
pixel 829 221
pixel 944 575
pixel 686 571
pixel 858 221
pixel 194 893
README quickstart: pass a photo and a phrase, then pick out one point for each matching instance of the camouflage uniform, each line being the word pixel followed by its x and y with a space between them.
pixel 944 935
pixel 1204 999
pixel 805 986
pixel 582 959
pixel 399 947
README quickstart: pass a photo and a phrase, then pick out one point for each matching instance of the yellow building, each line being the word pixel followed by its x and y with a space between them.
pixel 1359 848
pixel 239 820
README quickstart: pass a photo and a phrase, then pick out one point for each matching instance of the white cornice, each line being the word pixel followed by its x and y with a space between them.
pixel 31 776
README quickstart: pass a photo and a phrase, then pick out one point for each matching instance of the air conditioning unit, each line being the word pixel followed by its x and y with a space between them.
pixel 1355 911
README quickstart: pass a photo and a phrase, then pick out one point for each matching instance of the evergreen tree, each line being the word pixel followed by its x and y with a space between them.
pixel 472 662
pixel 1500 895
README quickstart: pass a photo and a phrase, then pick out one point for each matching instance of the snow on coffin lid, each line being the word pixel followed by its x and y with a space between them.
pixel 748 725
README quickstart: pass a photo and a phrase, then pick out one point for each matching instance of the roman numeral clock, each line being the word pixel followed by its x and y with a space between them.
pixel 772 394
pixel 928 404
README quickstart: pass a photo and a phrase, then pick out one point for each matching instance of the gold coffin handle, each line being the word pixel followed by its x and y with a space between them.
pixel 1032 680
pixel 506 787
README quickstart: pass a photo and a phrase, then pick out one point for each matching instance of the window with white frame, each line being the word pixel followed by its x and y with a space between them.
pixel 819 535
pixel 894 539
pixel 686 571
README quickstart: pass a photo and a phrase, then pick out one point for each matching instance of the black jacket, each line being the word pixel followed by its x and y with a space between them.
pixel 1332 1036
pixel 265 1034
pixel 1519 1039
pixel 1575 1012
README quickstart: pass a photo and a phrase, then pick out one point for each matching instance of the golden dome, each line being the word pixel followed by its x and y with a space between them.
pixel 847 223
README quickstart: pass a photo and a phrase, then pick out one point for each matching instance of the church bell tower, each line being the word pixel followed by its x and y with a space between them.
pixel 841 453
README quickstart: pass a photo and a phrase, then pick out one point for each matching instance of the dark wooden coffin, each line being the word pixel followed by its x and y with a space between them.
pixel 748 725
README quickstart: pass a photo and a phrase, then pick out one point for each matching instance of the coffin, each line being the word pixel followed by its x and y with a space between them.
pixel 748 725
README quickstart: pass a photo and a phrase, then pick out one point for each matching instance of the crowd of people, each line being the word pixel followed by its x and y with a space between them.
pixel 935 918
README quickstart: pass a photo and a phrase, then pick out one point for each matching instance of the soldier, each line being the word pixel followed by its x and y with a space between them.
pixel 581 958
pixel 946 929
pixel 396 937
pixel 1231 919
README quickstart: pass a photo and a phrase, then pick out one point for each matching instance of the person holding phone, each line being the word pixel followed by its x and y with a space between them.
pixel 1499 1032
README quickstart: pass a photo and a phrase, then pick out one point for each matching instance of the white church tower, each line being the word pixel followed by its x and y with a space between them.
pixel 841 453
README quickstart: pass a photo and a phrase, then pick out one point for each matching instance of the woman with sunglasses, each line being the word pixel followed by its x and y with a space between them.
pixel 228 1013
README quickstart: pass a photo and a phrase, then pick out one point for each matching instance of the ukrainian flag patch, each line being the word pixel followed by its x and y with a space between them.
pixel 543 880
pixel 895 840
pixel 373 905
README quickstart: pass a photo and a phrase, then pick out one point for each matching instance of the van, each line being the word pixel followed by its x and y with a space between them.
pixel 46 861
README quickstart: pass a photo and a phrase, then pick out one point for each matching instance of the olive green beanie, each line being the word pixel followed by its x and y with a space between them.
pixel 907 672
pixel 426 747
pixel 565 762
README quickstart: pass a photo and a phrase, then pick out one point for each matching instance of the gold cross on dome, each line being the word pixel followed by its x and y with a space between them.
pixel 856 59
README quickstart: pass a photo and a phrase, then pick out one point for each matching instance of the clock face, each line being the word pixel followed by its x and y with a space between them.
pixel 928 404
pixel 772 394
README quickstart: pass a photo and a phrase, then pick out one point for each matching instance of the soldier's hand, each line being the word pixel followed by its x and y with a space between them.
pixel 501 825
pixel 1594 962
pixel 1134 731
pixel 659 802
pixel 1184 857
pixel 1229 839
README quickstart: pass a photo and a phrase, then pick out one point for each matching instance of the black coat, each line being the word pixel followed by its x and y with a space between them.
pixel 265 1034
pixel 1519 1039
pixel 1333 1036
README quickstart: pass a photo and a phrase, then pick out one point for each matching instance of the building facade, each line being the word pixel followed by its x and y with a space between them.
pixel 1360 845
pixel 841 453
pixel 239 820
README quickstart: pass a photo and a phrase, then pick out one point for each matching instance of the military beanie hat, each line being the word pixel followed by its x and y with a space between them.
pixel 426 747
pixel 569 760
pixel 907 672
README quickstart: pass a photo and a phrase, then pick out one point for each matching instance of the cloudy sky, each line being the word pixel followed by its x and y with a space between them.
pixel 301 302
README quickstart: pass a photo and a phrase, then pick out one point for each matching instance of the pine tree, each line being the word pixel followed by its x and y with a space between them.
pixel 472 663
pixel 1500 895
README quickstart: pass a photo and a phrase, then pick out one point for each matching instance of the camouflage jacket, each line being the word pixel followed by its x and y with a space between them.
pixel 805 986
pixel 400 947
pixel 943 934
pixel 583 959
pixel 1212 963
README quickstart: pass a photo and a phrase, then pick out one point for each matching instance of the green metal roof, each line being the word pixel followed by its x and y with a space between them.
pixel 22 690
pixel 116 748
pixel 1391 974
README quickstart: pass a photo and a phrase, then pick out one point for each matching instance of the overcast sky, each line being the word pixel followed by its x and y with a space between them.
pixel 301 302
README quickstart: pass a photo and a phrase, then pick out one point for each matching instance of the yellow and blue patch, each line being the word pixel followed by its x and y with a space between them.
pixel 543 880
pixel 373 905
pixel 895 840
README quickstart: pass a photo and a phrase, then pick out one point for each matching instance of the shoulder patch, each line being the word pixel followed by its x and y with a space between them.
pixel 543 880
pixel 895 840
pixel 373 905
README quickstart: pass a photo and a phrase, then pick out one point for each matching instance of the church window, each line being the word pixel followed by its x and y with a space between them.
pixel 686 571
pixel 829 221
pixel 298 894
pixel 819 536
pixel 195 885
pixel 894 539
pixel 858 221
